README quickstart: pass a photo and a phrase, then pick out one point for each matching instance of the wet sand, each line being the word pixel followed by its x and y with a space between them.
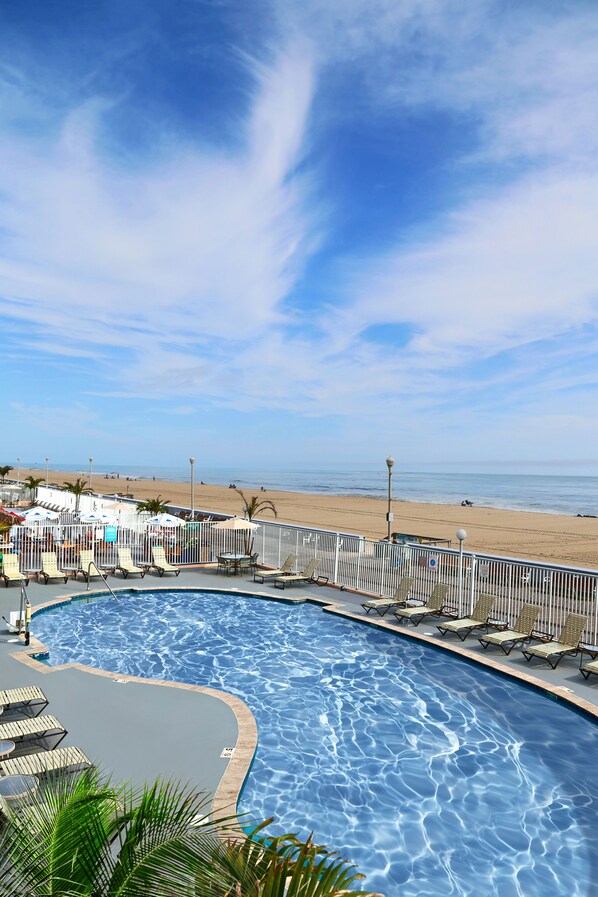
pixel 553 538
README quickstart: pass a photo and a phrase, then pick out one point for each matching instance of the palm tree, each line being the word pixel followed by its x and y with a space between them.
pixel 32 483
pixel 84 837
pixel 5 470
pixel 251 508
pixel 78 488
pixel 154 506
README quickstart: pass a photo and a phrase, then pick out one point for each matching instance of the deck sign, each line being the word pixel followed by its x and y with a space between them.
pixel 432 563
pixel 110 533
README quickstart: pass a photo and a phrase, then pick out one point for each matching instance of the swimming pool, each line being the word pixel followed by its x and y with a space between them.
pixel 435 777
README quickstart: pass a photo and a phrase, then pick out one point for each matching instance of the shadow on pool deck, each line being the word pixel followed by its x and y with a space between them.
pixel 140 730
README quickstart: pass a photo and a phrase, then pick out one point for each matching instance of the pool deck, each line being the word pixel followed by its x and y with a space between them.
pixel 143 729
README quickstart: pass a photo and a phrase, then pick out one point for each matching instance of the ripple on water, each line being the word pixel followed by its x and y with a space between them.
pixel 434 777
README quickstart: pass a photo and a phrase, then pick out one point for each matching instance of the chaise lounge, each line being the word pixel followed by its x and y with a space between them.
pixel 160 563
pixel 289 579
pixel 24 699
pixel 44 731
pixel 520 633
pixel 11 571
pixel 87 565
pixel 126 565
pixel 479 617
pixel 382 605
pixel 434 606
pixel 62 760
pixel 50 569
pixel 567 643
pixel 285 569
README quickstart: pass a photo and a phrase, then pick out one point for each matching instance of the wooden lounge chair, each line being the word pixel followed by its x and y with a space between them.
pixel 11 571
pixel 87 565
pixel 433 606
pixel 44 731
pixel 286 567
pixel 50 569
pixel 62 760
pixel 399 599
pixel 306 575
pixel 479 617
pixel 126 565
pixel 521 631
pixel 26 699
pixel 160 563
pixel 567 643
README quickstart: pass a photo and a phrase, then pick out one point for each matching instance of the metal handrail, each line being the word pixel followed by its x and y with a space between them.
pixel 102 575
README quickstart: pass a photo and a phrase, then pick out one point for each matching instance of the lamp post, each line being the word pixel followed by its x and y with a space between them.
pixel 461 535
pixel 389 516
pixel 90 473
pixel 192 463
pixel 18 471
pixel 46 472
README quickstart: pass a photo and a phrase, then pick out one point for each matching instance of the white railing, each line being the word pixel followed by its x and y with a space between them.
pixel 345 560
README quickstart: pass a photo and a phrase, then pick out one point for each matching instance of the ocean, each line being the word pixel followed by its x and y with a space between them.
pixel 550 494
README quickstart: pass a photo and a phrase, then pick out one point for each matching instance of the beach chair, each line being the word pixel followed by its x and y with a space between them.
pixel 11 571
pixel 285 568
pixel 434 606
pixel 567 643
pixel 50 569
pixel 521 631
pixel 160 563
pixel 87 565
pixel 126 565
pixel 281 582
pixel 383 605
pixel 44 731
pixel 62 760
pixel 479 617
pixel 589 669
pixel 24 700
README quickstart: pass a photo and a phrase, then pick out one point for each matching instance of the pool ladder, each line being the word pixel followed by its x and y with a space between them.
pixel 103 576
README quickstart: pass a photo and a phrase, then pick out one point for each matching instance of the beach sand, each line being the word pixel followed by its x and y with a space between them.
pixel 554 538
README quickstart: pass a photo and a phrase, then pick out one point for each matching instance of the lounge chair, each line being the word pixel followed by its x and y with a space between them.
pixel 87 565
pixel 521 631
pixel 11 571
pixel 50 569
pixel 286 567
pixel 126 565
pixel 399 599
pixel 62 760
pixel 160 563
pixel 567 643
pixel 479 617
pixel 44 731
pixel 591 667
pixel 289 579
pixel 24 699
pixel 433 606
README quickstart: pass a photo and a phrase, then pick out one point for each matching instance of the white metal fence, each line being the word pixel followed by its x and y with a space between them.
pixel 348 561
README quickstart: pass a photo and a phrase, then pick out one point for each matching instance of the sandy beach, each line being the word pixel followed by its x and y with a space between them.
pixel 553 538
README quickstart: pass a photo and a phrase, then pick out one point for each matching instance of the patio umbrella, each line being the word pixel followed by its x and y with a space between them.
pixel 166 520
pixel 238 523
pixel 39 515
pixel 100 517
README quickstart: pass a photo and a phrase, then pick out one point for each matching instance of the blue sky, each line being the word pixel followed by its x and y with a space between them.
pixel 300 233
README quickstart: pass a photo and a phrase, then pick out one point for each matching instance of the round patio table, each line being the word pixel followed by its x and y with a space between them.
pixel 17 787
pixel 6 748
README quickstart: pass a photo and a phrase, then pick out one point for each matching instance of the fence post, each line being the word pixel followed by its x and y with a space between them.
pixel 472 565
pixel 359 552
pixel 383 570
pixel 336 557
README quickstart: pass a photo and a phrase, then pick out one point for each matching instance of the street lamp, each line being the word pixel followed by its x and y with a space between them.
pixel 46 472
pixel 461 535
pixel 90 472
pixel 192 463
pixel 18 471
pixel 389 515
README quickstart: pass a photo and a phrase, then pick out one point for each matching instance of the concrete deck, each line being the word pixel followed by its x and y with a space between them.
pixel 141 729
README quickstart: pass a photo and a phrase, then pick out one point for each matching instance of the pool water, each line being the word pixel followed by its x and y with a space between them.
pixel 433 776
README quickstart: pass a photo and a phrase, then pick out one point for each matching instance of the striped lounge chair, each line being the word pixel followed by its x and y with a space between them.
pixel 29 700
pixel 399 599
pixel 521 631
pixel 287 579
pixel 479 617
pixel 567 642
pixel 62 760
pixel 434 606
pixel 284 569
pixel 50 569
pixel 11 571
pixel 126 565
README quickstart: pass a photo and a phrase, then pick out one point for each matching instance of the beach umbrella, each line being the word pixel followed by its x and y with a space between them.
pixel 236 523
pixel 99 517
pixel 166 520
pixel 39 515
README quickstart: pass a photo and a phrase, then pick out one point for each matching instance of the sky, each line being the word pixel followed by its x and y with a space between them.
pixel 300 233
